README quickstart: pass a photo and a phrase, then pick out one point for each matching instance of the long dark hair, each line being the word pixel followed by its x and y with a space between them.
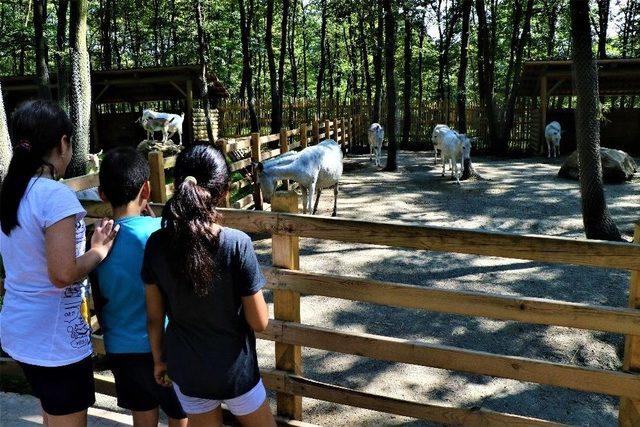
pixel 201 182
pixel 36 129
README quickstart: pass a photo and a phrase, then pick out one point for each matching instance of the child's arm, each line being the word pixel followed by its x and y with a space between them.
pixel 155 327
pixel 60 246
pixel 256 311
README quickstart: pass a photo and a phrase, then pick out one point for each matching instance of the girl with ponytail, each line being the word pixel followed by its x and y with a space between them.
pixel 207 280
pixel 42 322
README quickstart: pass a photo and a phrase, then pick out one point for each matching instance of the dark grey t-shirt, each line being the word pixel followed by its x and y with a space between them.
pixel 209 347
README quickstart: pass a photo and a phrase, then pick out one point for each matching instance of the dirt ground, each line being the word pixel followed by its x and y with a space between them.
pixel 520 196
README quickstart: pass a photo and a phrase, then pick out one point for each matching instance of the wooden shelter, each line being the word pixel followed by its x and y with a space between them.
pixel 617 78
pixel 129 87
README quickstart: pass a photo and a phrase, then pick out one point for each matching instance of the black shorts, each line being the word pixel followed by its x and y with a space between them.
pixel 136 387
pixel 62 390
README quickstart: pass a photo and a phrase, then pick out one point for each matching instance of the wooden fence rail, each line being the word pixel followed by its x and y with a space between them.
pixel 288 284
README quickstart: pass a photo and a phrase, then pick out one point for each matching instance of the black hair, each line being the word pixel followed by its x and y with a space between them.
pixel 190 215
pixel 123 172
pixel 37 126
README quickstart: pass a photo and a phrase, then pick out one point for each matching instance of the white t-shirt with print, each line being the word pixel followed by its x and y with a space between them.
pixel 40 324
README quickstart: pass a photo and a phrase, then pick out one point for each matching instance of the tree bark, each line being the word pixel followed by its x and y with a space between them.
pixel 598 223
pixel 105 33
pixel 323 59
pixel 364 55
pixel 421 70
pixel 273 78
pixel 246 18
pixel 283 54
pixel 62 63
pixel 603 24
pixel 390 62
pixel 377 67
pixel 42 70
pixel 5 142
pixel 461 100
pixel 80 94
pixel 406 119
pixel 203 50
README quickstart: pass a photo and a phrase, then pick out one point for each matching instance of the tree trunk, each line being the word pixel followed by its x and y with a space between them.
pixel 377 67
pixel 42 70
pixel 276 114
pixel 364 56
pixel 389 68
pixel 461 101
pixel 323 58
pixel 406 119
pixel 246 18
pixel 598 223
pixel 5 142
pixel 105 32
pixel 603 24
pixel 62 64
pixel 80 94
pixel 203 50
pixel 421 71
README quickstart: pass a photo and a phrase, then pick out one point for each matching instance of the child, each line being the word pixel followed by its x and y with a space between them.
pixel 42 322
pixel 207 278
pixel 119 292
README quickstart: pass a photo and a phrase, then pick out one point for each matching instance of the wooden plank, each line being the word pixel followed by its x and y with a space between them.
pixel 303 136
pixel 157 177
pixel 188 116
pixel 629 414
pixel 97 209
pixel 240 184
pixel 327 129
pixel 265 155
pixel 240 164
pixel 390 349
pixel 243 202
pixel 473 417
pixel 502 307
pixel 293 132
pixel 286 304
pixel 83 182
pixel 269 138
pixel 316 132
pixel 236 144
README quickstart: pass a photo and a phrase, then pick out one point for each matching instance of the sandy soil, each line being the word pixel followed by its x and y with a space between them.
pixel 522 196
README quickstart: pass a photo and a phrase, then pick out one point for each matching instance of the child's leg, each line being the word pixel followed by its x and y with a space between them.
pixel 261 417
pixel 77 419
pixel 145 418
pixel 182 422
pixel 207 419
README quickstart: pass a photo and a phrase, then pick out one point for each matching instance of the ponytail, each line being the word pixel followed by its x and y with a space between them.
pixel 190 216
pixel 37 128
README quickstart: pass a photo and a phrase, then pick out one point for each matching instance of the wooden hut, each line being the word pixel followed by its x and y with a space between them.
pixel 118 97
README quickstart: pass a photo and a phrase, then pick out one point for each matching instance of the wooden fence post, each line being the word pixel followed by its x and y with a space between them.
pixel 316 132
pixel 303 136
pixel 255 158
pixel 629 413
pixel 224 146
pixel 327 129
pixel 286 304
pixel 284 147
pixel 156 177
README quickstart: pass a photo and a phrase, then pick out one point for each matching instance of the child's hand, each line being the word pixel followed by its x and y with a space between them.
pixel 103 236
pixel 160 374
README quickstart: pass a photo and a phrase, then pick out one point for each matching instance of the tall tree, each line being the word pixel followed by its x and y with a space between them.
pixel 276 118
pixel 604 6
pixel 390 79
pixel 105 33
pixel 408 88
pixel 323 58
pixel 461 95
pixel 377 65
pixel 5 142
pixel 598 223
pixel 42 70
pixel 203 55
pixel 80 94
pixel 246 18
pixel 281 62
pixel 62 63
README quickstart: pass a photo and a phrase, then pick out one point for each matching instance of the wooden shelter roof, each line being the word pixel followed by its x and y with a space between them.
pixel 617 77
pixel 129 85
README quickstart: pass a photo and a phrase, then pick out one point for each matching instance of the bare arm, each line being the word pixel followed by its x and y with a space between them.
pixel 256 311
pixel 60 246
pixel 155 327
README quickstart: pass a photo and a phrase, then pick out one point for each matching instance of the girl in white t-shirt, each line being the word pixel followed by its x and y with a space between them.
pixel 43 322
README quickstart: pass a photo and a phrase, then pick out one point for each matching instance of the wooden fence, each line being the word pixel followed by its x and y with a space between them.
pixel 290 335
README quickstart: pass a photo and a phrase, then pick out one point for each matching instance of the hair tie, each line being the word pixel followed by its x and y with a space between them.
pixel 191 179
pixel 24 145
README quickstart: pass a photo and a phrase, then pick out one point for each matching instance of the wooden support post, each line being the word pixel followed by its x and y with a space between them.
pixel 327 129
pixel 284 147
pixel 224 146
pixel 343 137
pixel 156 177
pixel 188 115
pixel 286 304
pixel 303 136
pixel 316 132
pixel 543 108
pixel 629 413
pixel 255 158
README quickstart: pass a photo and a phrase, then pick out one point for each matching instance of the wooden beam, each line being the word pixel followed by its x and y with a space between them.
pixel 473 417
pixel 543 109
pixel 179 89
pixel 157 178
pixel 83 182
pixel 390 349
pixel 523 309
pixel 96 99
pixel 286 303
pixel 188 114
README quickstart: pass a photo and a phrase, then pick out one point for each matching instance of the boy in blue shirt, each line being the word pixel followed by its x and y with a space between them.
pixel 119 293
